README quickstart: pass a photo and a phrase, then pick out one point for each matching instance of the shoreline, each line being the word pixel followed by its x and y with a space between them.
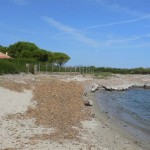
pixel 116 127
pixel 121 127
pixel 140 130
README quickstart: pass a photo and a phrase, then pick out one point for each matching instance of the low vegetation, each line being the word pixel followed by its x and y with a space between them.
pixel 123 70
pixel 103 75
pixel 8 67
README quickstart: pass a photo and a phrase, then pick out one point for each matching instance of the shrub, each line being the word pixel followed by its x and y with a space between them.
pixel 8 67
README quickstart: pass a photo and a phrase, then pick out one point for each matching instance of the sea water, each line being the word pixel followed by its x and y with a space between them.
pixel 131 106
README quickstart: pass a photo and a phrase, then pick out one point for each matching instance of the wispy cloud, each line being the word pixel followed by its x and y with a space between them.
pixel 120 22
pixel 19 2
pixel 117 7
pixel 76 34
pixel 120 41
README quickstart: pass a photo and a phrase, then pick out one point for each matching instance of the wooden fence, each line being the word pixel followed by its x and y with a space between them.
pixel 45 67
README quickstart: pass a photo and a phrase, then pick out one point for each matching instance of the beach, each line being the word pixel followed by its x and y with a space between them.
pixel 47 111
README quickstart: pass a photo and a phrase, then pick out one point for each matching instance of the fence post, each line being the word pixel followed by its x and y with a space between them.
pixel 27 66
pixel 35 69
pixel 39 67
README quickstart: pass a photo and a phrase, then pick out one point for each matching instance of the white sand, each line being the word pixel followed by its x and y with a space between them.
pixel 15 133
pixel 12 102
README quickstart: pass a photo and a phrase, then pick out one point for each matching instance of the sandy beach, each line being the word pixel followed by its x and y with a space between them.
pixel 47 112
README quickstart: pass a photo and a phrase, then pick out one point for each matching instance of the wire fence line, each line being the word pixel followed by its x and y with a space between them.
pixel 40 67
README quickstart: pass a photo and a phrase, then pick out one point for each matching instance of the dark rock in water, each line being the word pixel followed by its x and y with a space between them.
pixel 147 86
pixel 116 87
pixel 88 103
pixel 94 88
pixel 126 86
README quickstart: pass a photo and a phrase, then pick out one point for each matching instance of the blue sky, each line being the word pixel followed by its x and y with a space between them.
pixel 105 33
